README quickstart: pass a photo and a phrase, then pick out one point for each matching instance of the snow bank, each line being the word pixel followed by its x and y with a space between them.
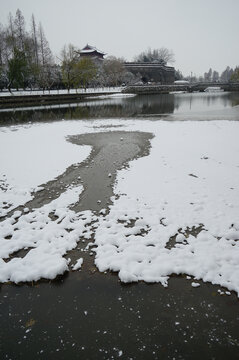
pixel 46 240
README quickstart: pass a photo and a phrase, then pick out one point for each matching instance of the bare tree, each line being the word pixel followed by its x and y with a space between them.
pixel 69 58
pixel 45 59
pixel 2 45
pixel 208 75
pixel 162 55
pixel 45 53
pixel 34 40
pixel 226 74
pixel 11 40
pixel 215 76
pixel 20 31
pixel 114 70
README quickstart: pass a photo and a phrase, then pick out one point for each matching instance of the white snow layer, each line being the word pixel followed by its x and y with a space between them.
pixel 57 92
pixel 32 155
pixel 46 240
pixel 189 179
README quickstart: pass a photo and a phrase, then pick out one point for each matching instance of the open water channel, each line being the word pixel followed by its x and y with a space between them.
pixel 90 315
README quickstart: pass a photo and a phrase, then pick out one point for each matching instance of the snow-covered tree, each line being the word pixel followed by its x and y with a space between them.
pixel 114 70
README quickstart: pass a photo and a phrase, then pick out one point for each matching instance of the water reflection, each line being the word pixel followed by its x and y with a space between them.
pixel 204 101
pixel 155 106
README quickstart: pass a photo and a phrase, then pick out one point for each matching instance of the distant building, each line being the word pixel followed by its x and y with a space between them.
pixel 93 53
pixel 152 72
pixel 149 72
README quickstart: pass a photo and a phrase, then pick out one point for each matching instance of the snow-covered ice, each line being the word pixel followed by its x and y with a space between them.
pixel 31 156
pixel 161 196
pixel 46 240
pixel 190 179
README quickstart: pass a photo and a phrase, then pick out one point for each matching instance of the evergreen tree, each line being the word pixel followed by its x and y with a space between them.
pixel 85 70
pixel 69 59
pixel 235 74
pixel 17 70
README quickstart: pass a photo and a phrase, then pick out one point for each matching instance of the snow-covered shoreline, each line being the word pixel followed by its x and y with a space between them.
pixel 61 92
pixel 189 178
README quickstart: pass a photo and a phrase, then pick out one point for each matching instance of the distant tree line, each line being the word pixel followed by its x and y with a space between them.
pixel 227 75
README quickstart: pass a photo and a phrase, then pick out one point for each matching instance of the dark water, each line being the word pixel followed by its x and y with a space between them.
pixel 88 315
pixel 167 106
pixel 95 317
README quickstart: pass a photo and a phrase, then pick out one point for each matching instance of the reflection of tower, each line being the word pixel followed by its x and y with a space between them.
pixel 190 106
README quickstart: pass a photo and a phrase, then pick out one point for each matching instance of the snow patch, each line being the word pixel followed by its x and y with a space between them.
pixel 78 264
pixel 194 284
pixel 46 241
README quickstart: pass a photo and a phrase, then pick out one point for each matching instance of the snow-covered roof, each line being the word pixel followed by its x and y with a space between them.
pixel 90 49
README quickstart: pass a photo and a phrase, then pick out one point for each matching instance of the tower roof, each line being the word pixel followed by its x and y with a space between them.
pixel 88 49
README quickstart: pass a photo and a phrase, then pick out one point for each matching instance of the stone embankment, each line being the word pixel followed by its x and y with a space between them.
pixel 154 89
pixel 165 89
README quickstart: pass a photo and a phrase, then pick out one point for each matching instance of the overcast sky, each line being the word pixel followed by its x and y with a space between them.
pixel 201 33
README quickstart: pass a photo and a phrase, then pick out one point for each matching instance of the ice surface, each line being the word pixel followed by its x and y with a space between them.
pixel 190 179
pixel 31 156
